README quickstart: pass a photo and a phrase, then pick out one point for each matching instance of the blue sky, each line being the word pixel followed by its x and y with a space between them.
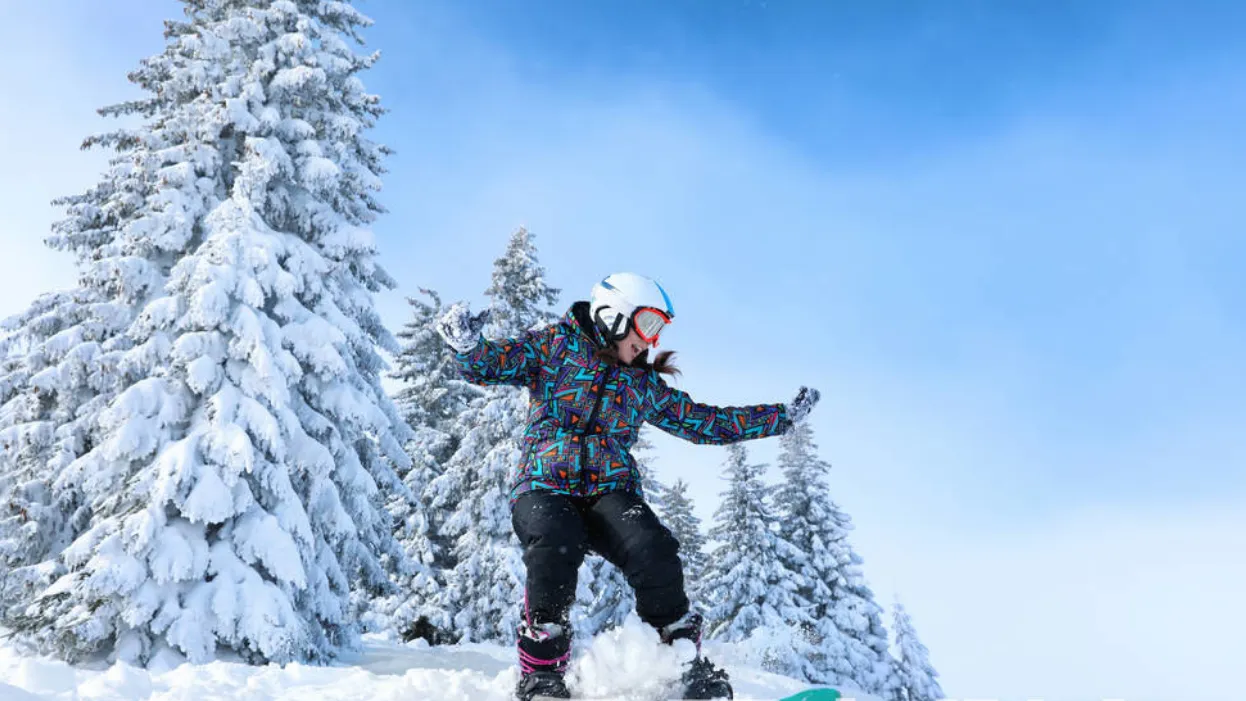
pixel 1004 239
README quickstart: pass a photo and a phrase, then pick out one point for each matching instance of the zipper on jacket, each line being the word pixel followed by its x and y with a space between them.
pixel 588 426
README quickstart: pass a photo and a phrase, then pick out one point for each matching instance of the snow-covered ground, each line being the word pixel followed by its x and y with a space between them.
pixel 626 662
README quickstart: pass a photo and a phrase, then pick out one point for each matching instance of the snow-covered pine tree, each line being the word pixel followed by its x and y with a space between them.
pixel 485 589
pixel 754 592
pixel 432 393
pixel 234 478
pixel 849 639
pixel 678 515
pixel 431 397
pixel 520 299
pixel 916 677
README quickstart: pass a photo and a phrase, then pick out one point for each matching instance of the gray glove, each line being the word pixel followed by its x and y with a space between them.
pixel 459 328
pixel 800 407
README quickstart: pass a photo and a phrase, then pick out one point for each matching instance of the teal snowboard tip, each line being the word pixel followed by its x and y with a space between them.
pixel 814 695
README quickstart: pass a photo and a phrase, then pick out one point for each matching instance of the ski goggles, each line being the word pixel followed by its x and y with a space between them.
pixel 649 322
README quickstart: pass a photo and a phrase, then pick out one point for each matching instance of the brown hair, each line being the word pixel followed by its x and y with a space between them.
pixel 661 364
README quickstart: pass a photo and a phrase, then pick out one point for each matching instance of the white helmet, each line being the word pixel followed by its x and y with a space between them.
pixel 624 301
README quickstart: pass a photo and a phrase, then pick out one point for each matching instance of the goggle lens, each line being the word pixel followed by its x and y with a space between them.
pixel 649 323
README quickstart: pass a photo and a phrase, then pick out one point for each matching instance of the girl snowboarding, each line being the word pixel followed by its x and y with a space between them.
pixel 591 386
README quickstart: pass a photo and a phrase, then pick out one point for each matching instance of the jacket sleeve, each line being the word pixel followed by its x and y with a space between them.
pixel 510 361
pixel 676 413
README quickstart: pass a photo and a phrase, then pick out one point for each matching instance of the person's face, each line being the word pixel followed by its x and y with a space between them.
pixel 631 347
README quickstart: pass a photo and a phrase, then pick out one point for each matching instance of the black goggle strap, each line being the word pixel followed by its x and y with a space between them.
pixel 613 332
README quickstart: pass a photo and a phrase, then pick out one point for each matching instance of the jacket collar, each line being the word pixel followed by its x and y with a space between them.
pixel 577 317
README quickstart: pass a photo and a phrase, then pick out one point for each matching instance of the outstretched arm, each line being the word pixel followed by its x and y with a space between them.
pixel 513 361
pixel 676 413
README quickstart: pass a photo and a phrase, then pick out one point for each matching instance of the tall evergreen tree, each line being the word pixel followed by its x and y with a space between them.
pixel 520 299
pixel 674 508
pixel 849 640
pixel 486 585
pixel 678 515
pixel 232 467
pixel 916 677
pixel 431 397
pixel 432 393
pixel 754 592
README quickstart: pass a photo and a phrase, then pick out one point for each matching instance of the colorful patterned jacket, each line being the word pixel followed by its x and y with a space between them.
pixel 585 414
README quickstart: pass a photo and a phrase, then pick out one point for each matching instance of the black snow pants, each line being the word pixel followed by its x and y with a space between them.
pixel 556 531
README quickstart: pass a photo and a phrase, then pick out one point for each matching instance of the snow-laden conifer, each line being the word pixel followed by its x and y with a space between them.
pixel 754 594
pixel 484 590
pixel 678 514
pixel 241 447
pixel 846 631
pixel 430 398
pixel 917 679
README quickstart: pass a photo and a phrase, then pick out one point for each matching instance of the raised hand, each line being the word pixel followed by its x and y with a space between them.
pixel 798 409
pixel 459 328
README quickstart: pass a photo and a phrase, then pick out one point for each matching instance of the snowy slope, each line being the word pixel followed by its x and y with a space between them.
pixel 627 661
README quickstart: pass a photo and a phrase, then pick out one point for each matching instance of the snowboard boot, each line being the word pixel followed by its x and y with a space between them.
pixel 686 628
pixel 544 652
pixel 701 680
pixel 541 684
